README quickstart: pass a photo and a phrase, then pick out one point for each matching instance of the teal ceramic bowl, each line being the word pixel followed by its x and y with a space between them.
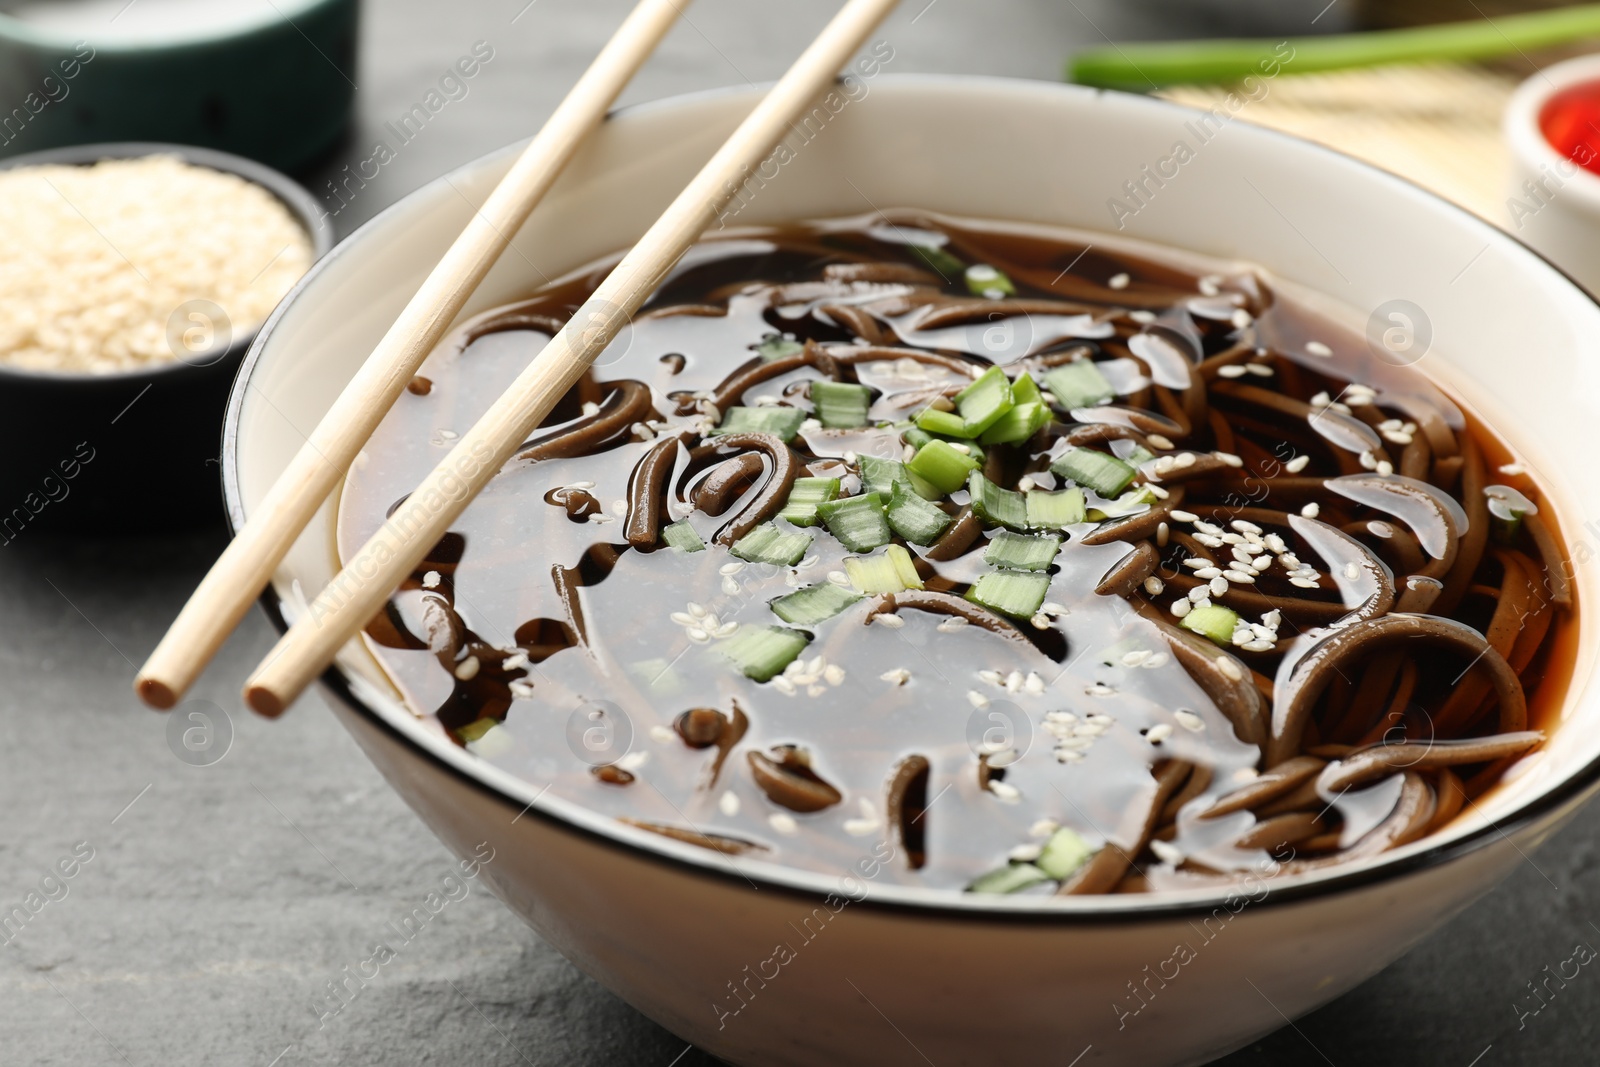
pixel 270 80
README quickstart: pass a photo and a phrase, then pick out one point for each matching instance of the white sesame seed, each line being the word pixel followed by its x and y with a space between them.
pixel 1303 583
pixel 1119 281
pixel 1260 370
pixel 1297 464
pixel 1239 577
pixel 952 624
pixel 1156 491
pixel 860 827
pixel 1272 619
pixel 1180 608
pixel 1209 285
pixel 1136 657
pixel 1229 458
pixel 467 669
pixel 732 568
pixel 1384 467
pixel 1188 719
pixel 634 760
pixel 1196 562
pixel 1317 348
pixel 1166 852
pixel 1209 574
pixel 730 586
pixel 833 674
pixel 1068 755
pixel 698 635
pixel 1040 621
pixel 1512 469
pixel 1160 441
pixel 1156 661
pixel 893 622
pixel 1240 318
pixel 1142 316
pixel 521 690
pixel 782 822
pixel 1231 370
pixel 1184 516
pixel 839 578
pixel 516 661
pixel 1034 684
pixel 1258 645
pixel 1099 689
pixel 1043 828
pixel 784 686
pixel 1005 792
pixel 1230 669
pixel 1199 593
pixel 1311 510
pixel 1154 585
pixel 431 580
pixel 977 699
pixel 1158 733
pixel 896 676
pixel 1024 484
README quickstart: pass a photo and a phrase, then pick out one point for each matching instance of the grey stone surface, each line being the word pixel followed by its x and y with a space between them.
pixel 220 899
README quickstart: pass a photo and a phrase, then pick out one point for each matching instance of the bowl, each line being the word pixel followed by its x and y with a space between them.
pixel 1551 202
pixel 267 80
pixel 764 965
pixel 129 450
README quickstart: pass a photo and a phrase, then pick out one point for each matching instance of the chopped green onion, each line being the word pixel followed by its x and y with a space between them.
pixel 1021 552
pixel 1213 621
pixel 1009 879
pixel 1003 507
pixel 944 466
pixel 944 264
pixel 1055 511
pixel 762 652
pixel 914 518
pixel 804 496
pixel 984 280
pixel 681 535
pixel 1016 425
pixel 1130 503
pixel 776 346
pixel 841 405
pixel 1017 593
pixel 1506 507
pixel 813 604
pixel 892 572
pixel 1138 455
pixel 983 402
pixel 914 435
pixel 1063 854
pixel 768 544
pixel 879 475
pixel 944 422
pixel 1024 391
pixel 1106 475
pixel 783 423
pixel 1078 385
pixel 857 521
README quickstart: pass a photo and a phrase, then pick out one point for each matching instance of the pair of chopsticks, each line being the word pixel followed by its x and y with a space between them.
pixel 372 574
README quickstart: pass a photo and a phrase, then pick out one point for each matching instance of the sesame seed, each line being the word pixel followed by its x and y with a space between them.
pixel 1034 684
pixel 1004 791
pixel 730 586
pixel 1043 828
pixel 1199 593
pixel 1142 316
pixel 467 669
pixel 1161 441
pixel 1321 400
pixel 1184 516
pixel 1040 621
pixel 1260 370
pixel 661 734
pixel 1317 348
pixel 1119 281
pixel 893 622
pixel 697 635
pixel 1156 490
pixel 1385 468
pixel 1136 657
pixel 784 686
pixel 1024 484
pixel 1208 573
pixel 1297 464
pixel 1241 318
pixel 1311 510
pixel 1209 285
pixel 1258 645
pixel 1180 608
pixel 1351 571
pixel 1230 669
pixel 839 578
pixel 860 827
pixel 515 662
pixel 521 690
pixel 431 580
pixel 634 760
pixel 1188 719
pixel 782 822
pixel 952 624
pixel 1158 733
pixel 977 699
pixel 1229 458
pixel 1512 469
pixel 1232 370
pixel 1196 562
pixel 833 674
pixel 1154 585
pixel 1239 577
pixel 1303 583
pixel 1166 852
pixel 896 676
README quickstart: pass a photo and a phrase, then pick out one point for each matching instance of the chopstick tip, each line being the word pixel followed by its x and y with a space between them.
pixel 155 693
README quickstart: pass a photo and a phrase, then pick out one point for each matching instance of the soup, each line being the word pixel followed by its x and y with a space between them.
pixel 1018 561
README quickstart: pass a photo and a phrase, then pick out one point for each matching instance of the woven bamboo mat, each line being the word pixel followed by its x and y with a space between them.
pixel 1437 125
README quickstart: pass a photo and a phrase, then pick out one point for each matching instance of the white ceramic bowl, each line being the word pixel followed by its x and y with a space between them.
pixel 675 930
pixel 1551 202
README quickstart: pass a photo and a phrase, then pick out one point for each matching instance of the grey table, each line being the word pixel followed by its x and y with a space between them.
pixel 217 902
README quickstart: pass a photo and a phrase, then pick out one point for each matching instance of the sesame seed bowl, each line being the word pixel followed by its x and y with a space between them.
pixel 134 277
pixel 761 963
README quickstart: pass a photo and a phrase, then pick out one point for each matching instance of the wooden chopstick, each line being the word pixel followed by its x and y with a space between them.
pixel 372 574
pixel 244 568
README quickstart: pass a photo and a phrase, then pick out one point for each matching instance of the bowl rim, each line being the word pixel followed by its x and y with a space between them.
pixel 291 194
pixel 1521 128
pixel 1565 795
pixel 22 31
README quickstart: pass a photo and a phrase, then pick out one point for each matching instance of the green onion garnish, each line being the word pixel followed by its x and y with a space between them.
pixel 944 422
pixel 914 518
pixel 762 652
pixel 914 435
pixel 1106 475
pixel 1024 391
pixel 776 346
pixel 1016 425
pixel 1063 854
pixel 1011 878
pixel 1506 507
pixel 1055 511
pixel 841 405
pixel 1021 552
pixel 1016 593
pixel 944 264
pixel 983 402
pixel 783 423
pixel 880 475
pixel 681 535
pixel 892 572
pixel 942 465
pixel 1078 385
pixel 804 496
pixel 857 521
pixel 984 280
pixel 1213 621
pixel 1003 507
pixel 813 604
pixel 768 544
pixel 1130 503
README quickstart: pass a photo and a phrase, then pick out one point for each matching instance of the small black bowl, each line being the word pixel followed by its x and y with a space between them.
pixel 129 451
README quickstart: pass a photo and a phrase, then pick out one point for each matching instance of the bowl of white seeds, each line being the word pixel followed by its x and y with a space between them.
pixel 132 279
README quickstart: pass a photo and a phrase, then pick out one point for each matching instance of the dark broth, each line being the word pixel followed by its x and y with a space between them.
pixel 554 634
